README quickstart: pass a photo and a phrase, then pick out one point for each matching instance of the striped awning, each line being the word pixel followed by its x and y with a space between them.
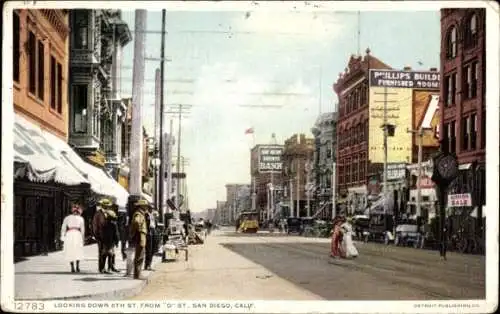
pixel 39 155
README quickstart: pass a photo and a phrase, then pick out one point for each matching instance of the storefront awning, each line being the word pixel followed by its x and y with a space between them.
pixel 100 182
pixel 40 155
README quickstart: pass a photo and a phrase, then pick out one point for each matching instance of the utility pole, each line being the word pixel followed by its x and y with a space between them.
pixel 334 190
pixel 298 188
pixel 162 201
pixel 386 129
pixel 420 135
pixel 292 211
pixel 308 188
pixel 179 109
pixel 135 186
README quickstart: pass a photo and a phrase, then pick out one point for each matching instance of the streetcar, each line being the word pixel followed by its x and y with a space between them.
pixel 248 222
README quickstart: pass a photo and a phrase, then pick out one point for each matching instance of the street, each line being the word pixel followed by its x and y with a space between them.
pixel 270 266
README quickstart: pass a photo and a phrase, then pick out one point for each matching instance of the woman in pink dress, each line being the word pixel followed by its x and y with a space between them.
pixel 336 238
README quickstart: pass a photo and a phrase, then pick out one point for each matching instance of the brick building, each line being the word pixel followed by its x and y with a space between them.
pixel 261 179
pixel 297 162
pixel 462 101
pixel 352 89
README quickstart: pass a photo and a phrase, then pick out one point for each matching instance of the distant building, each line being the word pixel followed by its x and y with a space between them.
pixel 238 198
pixel 266 167
pixel 325 149
pixel 297 165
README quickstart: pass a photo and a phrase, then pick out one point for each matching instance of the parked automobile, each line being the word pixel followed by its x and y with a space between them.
pixel 407 234
pixel 360 224
pixel 380 228
pixel 294 225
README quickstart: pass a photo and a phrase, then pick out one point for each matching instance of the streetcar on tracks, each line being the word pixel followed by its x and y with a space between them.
pixel 248 222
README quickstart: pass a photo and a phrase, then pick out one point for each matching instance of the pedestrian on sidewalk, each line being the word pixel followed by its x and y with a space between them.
pixel 72 235
pixel 336 237
pixel 347 246
pixel 150 237
pixel 102 231
pixel 138 233
pixel 111 237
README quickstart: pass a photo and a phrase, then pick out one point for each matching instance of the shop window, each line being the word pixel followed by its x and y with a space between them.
pixel 450 89
pixel 473 131
pixel 80 102
pixel 471 30
pixel 451 43
pixel 15 46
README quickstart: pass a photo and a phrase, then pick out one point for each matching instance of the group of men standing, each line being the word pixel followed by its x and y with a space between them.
pixel 109 227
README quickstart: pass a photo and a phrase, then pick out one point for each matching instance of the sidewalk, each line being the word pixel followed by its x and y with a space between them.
pixel 49 278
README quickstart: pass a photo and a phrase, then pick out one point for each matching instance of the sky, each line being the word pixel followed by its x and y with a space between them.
pixel 287 60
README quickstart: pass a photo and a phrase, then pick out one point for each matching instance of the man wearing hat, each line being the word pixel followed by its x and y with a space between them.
pixel 100 229
pixel 138 234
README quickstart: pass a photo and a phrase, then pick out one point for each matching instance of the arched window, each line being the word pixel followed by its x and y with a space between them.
pixel 471 29
pixel 451 43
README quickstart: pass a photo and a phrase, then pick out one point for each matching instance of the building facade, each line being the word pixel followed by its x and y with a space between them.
pixel 238 199
pixel 325 145
pixel 44 185
pixel 463 101
pixel 262 178
pixel 97 110
pixel 353 169
pixel 297 171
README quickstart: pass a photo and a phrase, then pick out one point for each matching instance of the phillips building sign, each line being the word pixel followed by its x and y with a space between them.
pixel 405 79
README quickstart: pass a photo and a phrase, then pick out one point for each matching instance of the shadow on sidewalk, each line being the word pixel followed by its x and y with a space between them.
pixel 93 279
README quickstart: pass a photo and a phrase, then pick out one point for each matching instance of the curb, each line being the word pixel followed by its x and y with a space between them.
pixel 109 295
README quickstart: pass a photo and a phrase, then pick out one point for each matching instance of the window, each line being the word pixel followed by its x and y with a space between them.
pixel 473 131
pixel 15 47
pixel 451 43
pixel 471 28
pixel 59 88
pixel 453 137
pixel 81 29
pixel 80 102
pixel 32 62
pixel 464 143
pixel 483 129
pixel 348 171
pixel 55 85
pixel 446 134
pixel 41 70
pixel 355 170
pixel 53 104
pixel 450 88
pixel 470 80
pixel 364 94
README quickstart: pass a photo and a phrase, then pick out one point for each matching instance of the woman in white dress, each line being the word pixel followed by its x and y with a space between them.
pixel 347 245
pixel 72 234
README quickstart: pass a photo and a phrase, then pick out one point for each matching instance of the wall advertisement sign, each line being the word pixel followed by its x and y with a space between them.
pixel 271 158
pixel 459 200
pixel 411 98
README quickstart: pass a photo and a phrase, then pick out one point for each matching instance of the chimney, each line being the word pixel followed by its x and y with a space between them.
pixel 407 68
pixel 433 69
